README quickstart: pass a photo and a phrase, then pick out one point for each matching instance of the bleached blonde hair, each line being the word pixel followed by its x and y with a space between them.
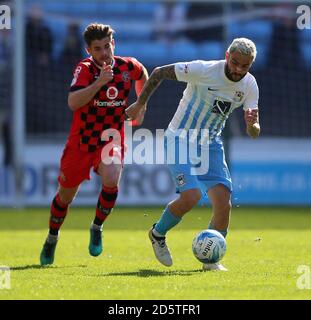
pixel 244 46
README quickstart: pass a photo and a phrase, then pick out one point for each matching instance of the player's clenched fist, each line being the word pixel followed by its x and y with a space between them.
pixel 106 74
pixel 251 116
pixel 134 110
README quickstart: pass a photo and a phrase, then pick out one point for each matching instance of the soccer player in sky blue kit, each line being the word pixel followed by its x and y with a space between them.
pixel 214 89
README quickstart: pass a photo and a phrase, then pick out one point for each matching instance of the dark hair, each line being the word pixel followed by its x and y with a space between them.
pixel 97 31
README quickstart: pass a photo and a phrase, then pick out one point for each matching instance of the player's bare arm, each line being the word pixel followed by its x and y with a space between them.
pixel 139 84
pixel 79 98
pixel 251 117
pixel 159 74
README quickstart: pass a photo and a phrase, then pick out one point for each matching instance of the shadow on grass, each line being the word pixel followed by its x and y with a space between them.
pixel 144 273
pixel 38 266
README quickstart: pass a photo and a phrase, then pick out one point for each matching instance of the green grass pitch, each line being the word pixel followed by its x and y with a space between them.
pixel 265 248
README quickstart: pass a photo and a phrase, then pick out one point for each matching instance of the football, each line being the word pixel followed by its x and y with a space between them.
pixel 209 246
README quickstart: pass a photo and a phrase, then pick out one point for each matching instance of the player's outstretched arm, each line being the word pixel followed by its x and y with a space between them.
pixel 251 117
pixel 157 76
pixel 139 85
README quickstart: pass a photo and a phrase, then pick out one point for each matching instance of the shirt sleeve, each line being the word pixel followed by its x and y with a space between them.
pixel 251 100
pixel 137 69
pixel 189 71
pixel 81 77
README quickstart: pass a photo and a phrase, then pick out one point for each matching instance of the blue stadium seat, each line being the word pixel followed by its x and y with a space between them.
pixel 61 7
pixel 144 8
pixel 115 8
pixel 254 30
pixel 132 30
pixel 149 53
pixel 212 50
pixel 183 50
pixel 262 55
pixel 305 35
pixel 85 8
pixel 305 47
pixel 58 28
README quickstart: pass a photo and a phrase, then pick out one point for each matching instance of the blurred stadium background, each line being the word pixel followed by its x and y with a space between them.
pixel 38 55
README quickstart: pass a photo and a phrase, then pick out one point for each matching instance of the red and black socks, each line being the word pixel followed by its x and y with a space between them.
pixel 105 204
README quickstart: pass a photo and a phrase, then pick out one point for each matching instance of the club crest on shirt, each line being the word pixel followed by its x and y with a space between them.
pixel 126 76
pixel 112 93
pixel 181 180
pixel 238 96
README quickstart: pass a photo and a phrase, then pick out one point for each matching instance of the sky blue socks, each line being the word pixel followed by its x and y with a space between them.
pixel 166 222
pixel 223 232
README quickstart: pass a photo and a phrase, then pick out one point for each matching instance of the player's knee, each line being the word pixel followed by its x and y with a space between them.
pixel 221 199
pixel 111 182
pixel 67 195
pixel 65 199
pixel 110 177
pixel 190 198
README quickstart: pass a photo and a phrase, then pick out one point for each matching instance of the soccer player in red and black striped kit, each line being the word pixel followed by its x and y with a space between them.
pixel 98 98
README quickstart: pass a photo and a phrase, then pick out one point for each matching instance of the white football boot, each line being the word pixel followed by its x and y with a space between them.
pixel 160 249
pixel 214 266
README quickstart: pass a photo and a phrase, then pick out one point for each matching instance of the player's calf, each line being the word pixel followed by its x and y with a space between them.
pixel 58 213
